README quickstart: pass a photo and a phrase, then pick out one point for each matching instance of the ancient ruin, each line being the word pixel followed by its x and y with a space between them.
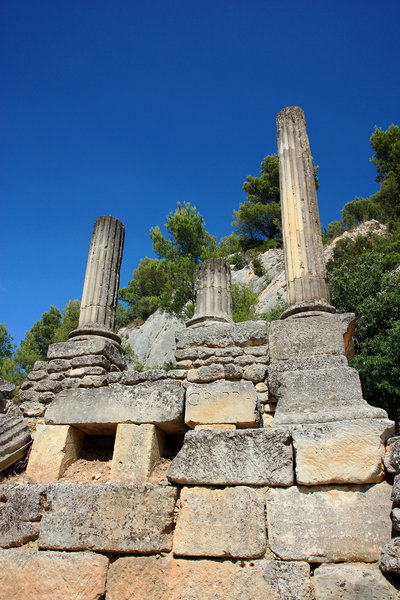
pixel 252 470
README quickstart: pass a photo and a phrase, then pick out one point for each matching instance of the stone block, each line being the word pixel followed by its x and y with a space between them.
pixel 108 518
pixel 396 491
pixel 221 522
pixel 20 512
pixel 341 452
pixel 226 426
pixel 165 578
pixel 255 373
pixel 15 438
pixel 322 395
pixel 257 350
pixel 232 371
pixel 28 396
pixel 311 335
pixel 32 409
pixel 60 364
pixel 392 456
pixel 60 442
pixel 52 575
pixel 130 377
pixel 91 360
pixel 89 346
pixel 48 385
pixel 152 375
pixel 395 516
pixel 206 374
pixel 100 410
pixel 352 582
pixel 93 381
pixel 39 365
pixel 389 560
pixel 46 397
pixel 231 352
pixel 221 402
pixel 37 375
pixel 247 333
pixel 328 523
pixel 241 457
pixel 137 449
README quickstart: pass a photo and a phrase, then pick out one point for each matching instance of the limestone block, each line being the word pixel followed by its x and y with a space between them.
pixel 48 385
pixel 137 449
pixel 311 335
pixel 46 397
pixel 328 523
pixel 15 438
pixel 247 333
pixel 395 516
pixel 267 420
pixel 130 377
pixel 352 582
pixel 89 346
pixel 39 365
pixel 322 395
pixel 60 442
pixel 32 409
pixel 221 402
pixel 93 381
pixel 92 360
pixel 392 457
pixel 152 375
pixel 241 457
pixel 255 373
pixel 389 560
pixel 37 375
pixel 341 452
pixel 28 396
pixel 396 491
pixel 206 374
pixel 257 350
pixel 225 426
pixel 20 511
pixel 156 578
pixel 52 575
pixel 177 374
pixel 60 364
pixel 100 410
pixel 261 387
pixel 108 518
pixel 232 352
pixel 277 370
pixel 232 371
pixel 221 522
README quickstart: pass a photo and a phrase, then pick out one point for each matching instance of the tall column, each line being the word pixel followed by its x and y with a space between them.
pixel 100 290
pixel 213 292
pixel 304 257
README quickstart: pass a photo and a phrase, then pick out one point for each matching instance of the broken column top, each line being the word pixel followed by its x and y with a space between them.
pixel 100 290
pixel 213 293
pixel 304 257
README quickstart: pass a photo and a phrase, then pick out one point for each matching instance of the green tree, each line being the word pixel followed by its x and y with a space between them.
pixel 7 345
pixel 386 145
pixel 69 321
pixel 36 341
pixel 143 292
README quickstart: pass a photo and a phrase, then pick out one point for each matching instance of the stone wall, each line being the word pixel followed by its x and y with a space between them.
pixel 252 507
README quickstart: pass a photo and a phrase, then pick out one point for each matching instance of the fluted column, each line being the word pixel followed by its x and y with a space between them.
pixel 304 257
pixel 213 292
pixel 100 290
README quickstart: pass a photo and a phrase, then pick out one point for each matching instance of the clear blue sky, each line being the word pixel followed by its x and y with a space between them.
pixel 128 107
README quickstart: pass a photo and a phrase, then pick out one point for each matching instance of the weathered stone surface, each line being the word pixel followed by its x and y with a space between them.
pixel 226 426
pixel 93 360
pixel 352 582
pixel 28 396
pixel 20 510
pixel 108 518
pixel 322 395
pixel 222 402
pixel 212 285
pixel 91 345
pixel 329 524
pixel 99 410
pixel 32 409
pixel 232 371
pixel 62 443
pixel 229 352
pixel 255 373
pixel 60 364
pixel 15 438
pixel 303 363
pixel 137 450
pixel 392 456
pixel 206 374
pixel 48 385
pixel 395 515
pixel 93 381
pixel 40 364
pixel 130 377
pixel 389 560
pixel 52 575
pixel 37 375
pixel 215 522
pixel 154 578
pixel 152 375
pixel 341 452
pixel 6 389
pixel 46 397
pixel 247 333
pixel 396 491
pixel 311 335
pixel 246 457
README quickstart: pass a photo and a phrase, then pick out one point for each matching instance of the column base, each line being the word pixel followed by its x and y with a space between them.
pixel 94 329
pixel 307 307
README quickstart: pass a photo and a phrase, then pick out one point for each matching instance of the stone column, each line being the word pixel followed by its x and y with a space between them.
pixel 213 292
pixel 304 258
pixel 100 290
